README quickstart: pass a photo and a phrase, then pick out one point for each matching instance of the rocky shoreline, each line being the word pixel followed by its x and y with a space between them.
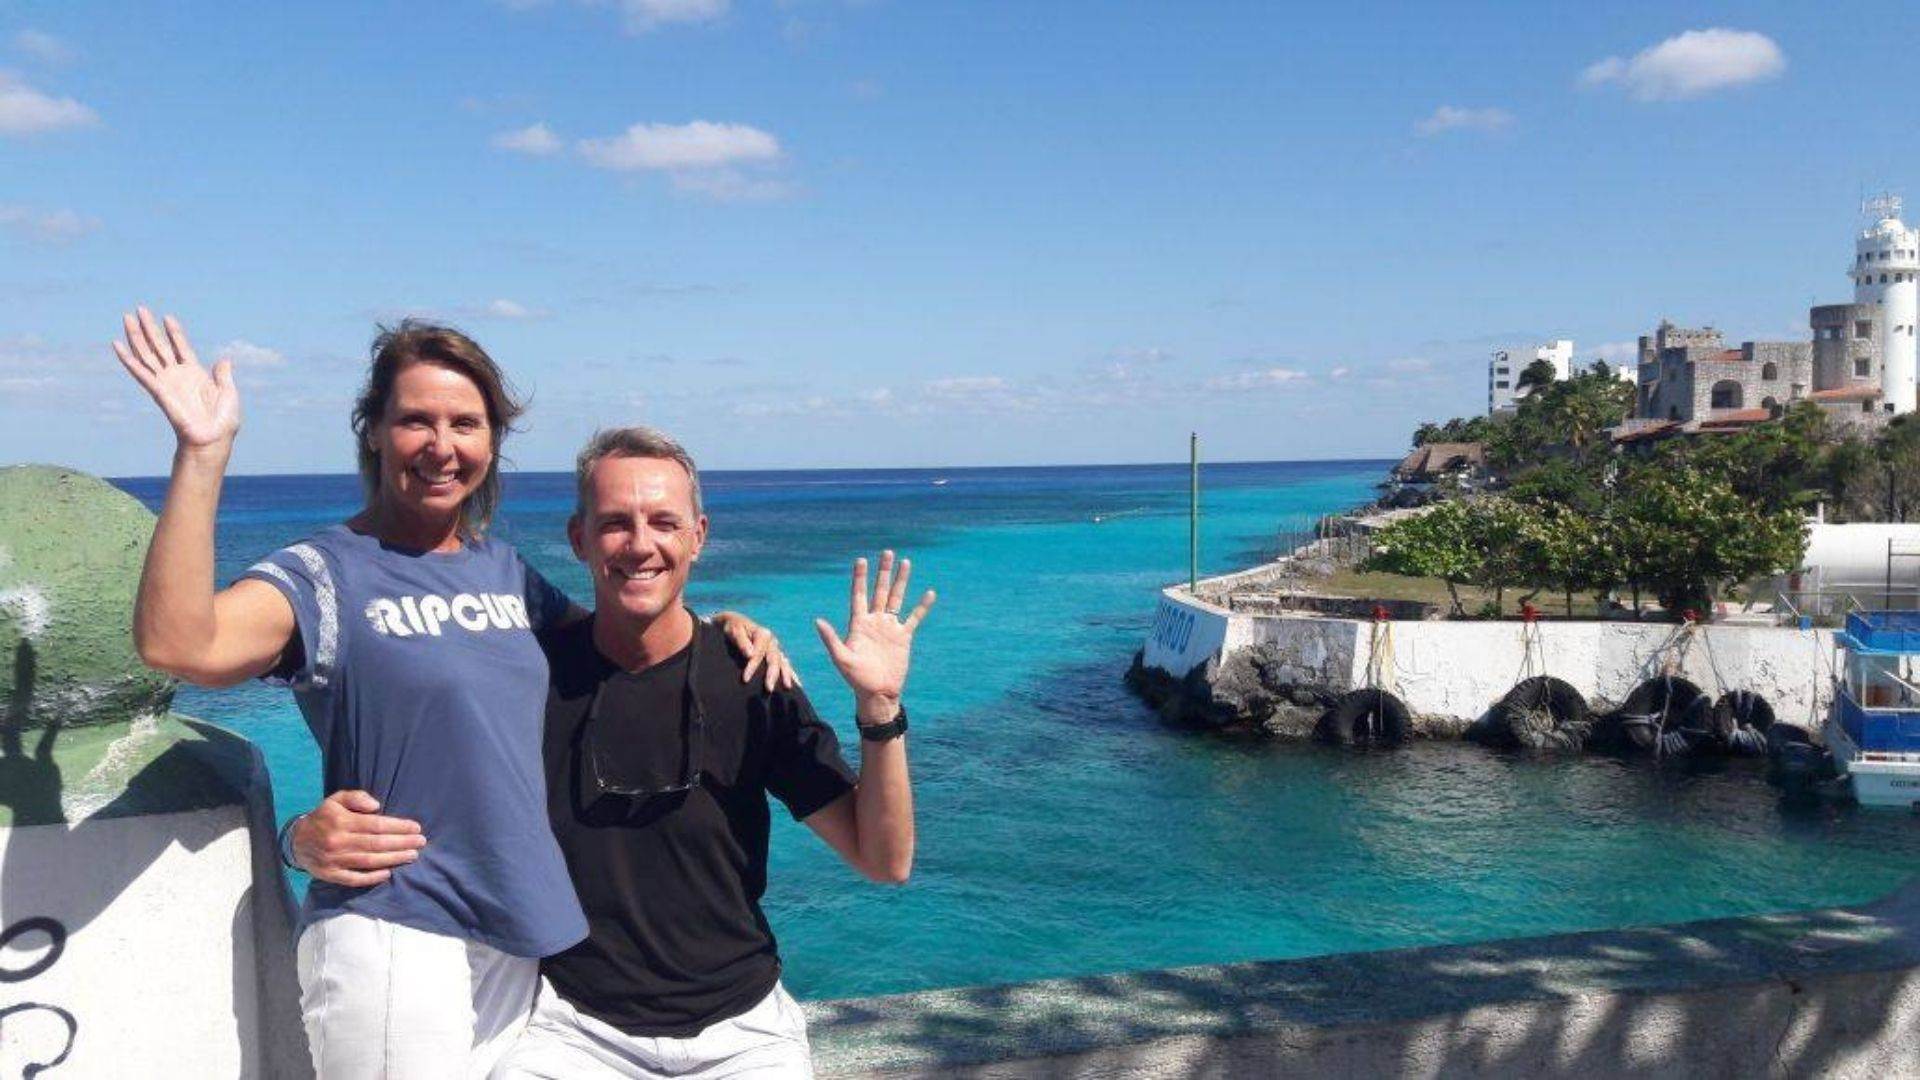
pixel 1250 693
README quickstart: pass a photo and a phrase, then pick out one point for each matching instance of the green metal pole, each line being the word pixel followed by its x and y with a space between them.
pixel 1193 512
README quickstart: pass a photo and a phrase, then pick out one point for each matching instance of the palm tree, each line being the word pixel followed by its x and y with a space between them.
pixel 1539 374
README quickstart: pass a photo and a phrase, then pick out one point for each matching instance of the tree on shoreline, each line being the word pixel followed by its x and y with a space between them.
pixel 1688 535
pixel 1684 534
pixel 1456 430
pixel 1438 543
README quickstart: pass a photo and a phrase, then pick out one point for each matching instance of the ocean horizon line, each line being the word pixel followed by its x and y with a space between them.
pixel 816 470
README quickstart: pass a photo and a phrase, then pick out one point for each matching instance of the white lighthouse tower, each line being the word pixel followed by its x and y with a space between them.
pixel 1887 257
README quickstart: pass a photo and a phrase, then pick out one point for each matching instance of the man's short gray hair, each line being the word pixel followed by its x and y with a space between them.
pixel 630 442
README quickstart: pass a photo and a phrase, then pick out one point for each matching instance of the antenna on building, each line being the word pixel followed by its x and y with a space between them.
pixel 1882 206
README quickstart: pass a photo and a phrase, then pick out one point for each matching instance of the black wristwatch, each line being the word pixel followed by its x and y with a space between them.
pixel 892 729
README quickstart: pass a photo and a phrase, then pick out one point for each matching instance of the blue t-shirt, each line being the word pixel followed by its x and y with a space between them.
pixel 421 680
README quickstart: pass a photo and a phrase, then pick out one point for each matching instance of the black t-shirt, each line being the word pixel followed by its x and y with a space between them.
pixel 671 883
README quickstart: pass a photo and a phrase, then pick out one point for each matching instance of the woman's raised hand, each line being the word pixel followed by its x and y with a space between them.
pixel 203 407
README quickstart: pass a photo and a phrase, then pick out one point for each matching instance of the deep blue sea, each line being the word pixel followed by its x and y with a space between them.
pixel 1063 831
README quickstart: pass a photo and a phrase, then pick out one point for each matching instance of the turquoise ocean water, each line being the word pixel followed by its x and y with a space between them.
pixel 1063 831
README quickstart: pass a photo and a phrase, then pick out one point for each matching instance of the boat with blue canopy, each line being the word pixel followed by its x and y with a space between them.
pixel 1873 730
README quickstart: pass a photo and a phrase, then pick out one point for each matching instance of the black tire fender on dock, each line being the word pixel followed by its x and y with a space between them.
pixel 1783 734
pixel 1742 719
pixel 1655 708
pixel 1542 713
pixel 1793 761
pixel 1366 717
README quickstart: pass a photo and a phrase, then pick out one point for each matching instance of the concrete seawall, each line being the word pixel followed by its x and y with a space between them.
pixel 1456 671
pixel 1830 993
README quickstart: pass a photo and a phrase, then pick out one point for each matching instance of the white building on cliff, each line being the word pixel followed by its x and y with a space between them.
pixel 1503 371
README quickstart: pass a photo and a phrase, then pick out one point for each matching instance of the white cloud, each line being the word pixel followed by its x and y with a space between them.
pixel 501 308
pixel 643 16
pixel 537 140
pixel 722 162
pixel 1614 352
pixel 45 226
pixel 1258 379
pixel 680 147
pixel 730 185
pixel 1144 355
pixel 1691 64
pixel 1339 373
pixel 814 405
pixel 245 354
pixel 1457 118
pixel 43 47
pixel 33 367
pixel 509 309
pixel 967 386
pixel 26 111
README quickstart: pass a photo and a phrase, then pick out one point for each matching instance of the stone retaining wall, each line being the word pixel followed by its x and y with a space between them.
pixel 1832 993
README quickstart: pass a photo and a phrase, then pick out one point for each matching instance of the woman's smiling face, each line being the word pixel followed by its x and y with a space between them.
pixel 435 443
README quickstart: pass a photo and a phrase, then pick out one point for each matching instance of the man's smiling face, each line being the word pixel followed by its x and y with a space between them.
pixel 638 535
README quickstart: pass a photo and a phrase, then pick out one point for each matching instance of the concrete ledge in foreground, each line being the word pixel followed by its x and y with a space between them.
pixel 1831 993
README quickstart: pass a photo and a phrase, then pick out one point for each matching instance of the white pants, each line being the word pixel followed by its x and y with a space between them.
pixel 388 1002
pixel 767 1041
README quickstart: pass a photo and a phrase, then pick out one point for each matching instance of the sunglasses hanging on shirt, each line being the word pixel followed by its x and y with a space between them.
pixel 603 776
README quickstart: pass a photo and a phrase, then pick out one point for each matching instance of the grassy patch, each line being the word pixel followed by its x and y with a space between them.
pixel 1373 586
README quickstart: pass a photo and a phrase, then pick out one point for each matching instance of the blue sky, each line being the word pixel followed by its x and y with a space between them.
pixel 808 233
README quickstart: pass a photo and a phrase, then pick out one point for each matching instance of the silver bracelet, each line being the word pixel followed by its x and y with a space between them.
pixel 284 842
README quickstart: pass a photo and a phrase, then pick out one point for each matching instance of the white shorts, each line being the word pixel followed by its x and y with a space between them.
pixel 768 1041
pixel 385 1001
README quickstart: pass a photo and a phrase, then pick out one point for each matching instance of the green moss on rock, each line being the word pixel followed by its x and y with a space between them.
pixel 71 547
pixel 156 765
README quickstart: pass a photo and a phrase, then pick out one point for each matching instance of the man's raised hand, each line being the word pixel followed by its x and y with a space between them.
pixel 874 654
pixel 202 406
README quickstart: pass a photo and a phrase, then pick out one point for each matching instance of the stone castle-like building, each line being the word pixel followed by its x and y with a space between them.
pixel 1858 364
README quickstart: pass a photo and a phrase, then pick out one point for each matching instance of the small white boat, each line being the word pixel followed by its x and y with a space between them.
pixel 1873 729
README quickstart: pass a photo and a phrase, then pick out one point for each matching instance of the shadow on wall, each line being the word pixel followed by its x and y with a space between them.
pixel 92 863
pixel 1820 993
pixel 29 780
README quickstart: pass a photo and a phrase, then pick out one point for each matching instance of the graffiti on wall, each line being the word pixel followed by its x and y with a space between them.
pixel 24 1020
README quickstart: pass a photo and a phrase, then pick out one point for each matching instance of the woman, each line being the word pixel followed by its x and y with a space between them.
pixel 407 636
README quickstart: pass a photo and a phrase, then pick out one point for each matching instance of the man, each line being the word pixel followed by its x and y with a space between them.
pixel 659 758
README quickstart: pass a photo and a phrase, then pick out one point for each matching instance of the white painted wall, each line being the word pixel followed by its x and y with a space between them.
pixel 1460 669
pixel 170 941
pixel 1186 632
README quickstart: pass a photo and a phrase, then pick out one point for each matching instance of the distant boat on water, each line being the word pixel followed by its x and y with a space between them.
pixel 942 482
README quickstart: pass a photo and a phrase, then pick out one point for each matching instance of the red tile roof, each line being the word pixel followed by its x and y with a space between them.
pixel 1846 393
pixel 1737 416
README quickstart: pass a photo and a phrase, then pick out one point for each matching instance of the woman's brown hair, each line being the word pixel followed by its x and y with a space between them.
pixel 418 341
